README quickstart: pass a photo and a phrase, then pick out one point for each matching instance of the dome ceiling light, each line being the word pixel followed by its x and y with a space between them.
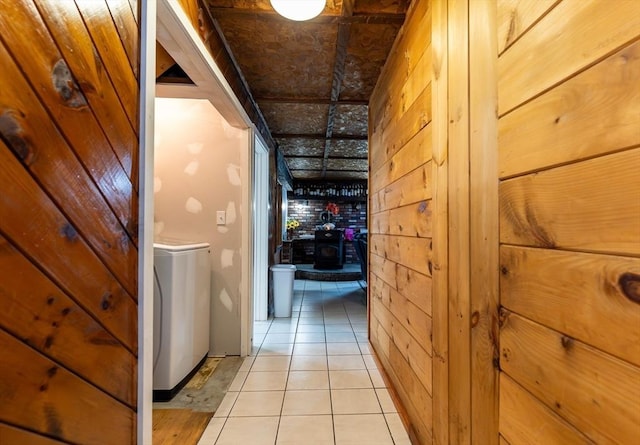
pixel 298 10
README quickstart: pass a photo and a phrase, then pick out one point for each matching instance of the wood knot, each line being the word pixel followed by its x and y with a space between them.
pixel 66 86
pixel 504 270
pixel 567 342
pixel 475 319
pixel 69 232
pixel 106 301
pixel 14 136
pixel 630 285
pixel 503 316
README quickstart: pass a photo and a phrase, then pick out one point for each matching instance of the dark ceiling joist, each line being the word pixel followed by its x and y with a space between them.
pixel 338 75
pixel 370 19
pixel 314 101
pixel 351 158
pixel 318 136
pixel 328 171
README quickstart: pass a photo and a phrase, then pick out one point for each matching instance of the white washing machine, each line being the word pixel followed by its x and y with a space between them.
pixel 182 300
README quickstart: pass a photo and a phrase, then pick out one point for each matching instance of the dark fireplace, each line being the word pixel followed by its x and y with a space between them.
pixel 329 251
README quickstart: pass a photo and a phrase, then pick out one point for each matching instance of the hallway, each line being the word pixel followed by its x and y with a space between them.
pixel 312 379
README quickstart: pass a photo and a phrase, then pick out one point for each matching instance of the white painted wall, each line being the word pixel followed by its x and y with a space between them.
pixel 201 167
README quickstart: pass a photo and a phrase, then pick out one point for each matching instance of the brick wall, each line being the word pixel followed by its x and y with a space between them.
pixel 352 214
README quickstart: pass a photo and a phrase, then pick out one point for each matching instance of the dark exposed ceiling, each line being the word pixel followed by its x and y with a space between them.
pixel 312 80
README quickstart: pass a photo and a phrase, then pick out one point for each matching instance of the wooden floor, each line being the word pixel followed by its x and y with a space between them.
pixel 178 426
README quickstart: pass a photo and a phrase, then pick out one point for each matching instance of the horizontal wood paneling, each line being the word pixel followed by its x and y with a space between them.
pixel 413 253
pixel 384 269
pixel 592 298
pixel 593 113
pixel 413 394
pixel 414 286
pixel 413 187
pixel 520 411
pixel 54 401
pixel 574 207
pixel 598 394
pixel 411 220
pixel 11 435
pixel 416 152
pixel 400 219
pixel 556 48
pixel 413 320
pixel 394 137
pixel 40 314
pixel 406 53
pixel 516 16
pixel 568 147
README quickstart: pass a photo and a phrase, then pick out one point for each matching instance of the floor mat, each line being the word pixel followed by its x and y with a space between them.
pixel 203 374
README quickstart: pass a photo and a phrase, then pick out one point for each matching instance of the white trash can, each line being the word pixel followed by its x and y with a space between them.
pixel 283 276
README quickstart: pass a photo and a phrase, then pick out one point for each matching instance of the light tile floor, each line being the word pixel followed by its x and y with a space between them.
pixel 312 379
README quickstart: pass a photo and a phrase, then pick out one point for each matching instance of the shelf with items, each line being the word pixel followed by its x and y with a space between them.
pixel 330 190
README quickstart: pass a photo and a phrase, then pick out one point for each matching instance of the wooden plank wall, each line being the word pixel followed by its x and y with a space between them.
pixel 505 224
pixel 68 221
pixel 569 194
pixel 400 220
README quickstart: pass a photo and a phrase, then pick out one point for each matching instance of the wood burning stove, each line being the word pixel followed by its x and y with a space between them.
pixel 329 249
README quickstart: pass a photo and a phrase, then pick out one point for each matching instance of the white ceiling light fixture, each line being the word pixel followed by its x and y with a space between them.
pixel 298 10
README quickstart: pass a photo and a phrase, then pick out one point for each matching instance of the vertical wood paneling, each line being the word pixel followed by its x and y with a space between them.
pixel 483 222
pixel 68 222
pixel 458 237
pixel 440 175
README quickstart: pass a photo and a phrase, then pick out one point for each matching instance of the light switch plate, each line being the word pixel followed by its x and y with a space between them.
pixel 221 218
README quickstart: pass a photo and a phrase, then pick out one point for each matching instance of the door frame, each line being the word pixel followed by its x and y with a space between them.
pixel 166 21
